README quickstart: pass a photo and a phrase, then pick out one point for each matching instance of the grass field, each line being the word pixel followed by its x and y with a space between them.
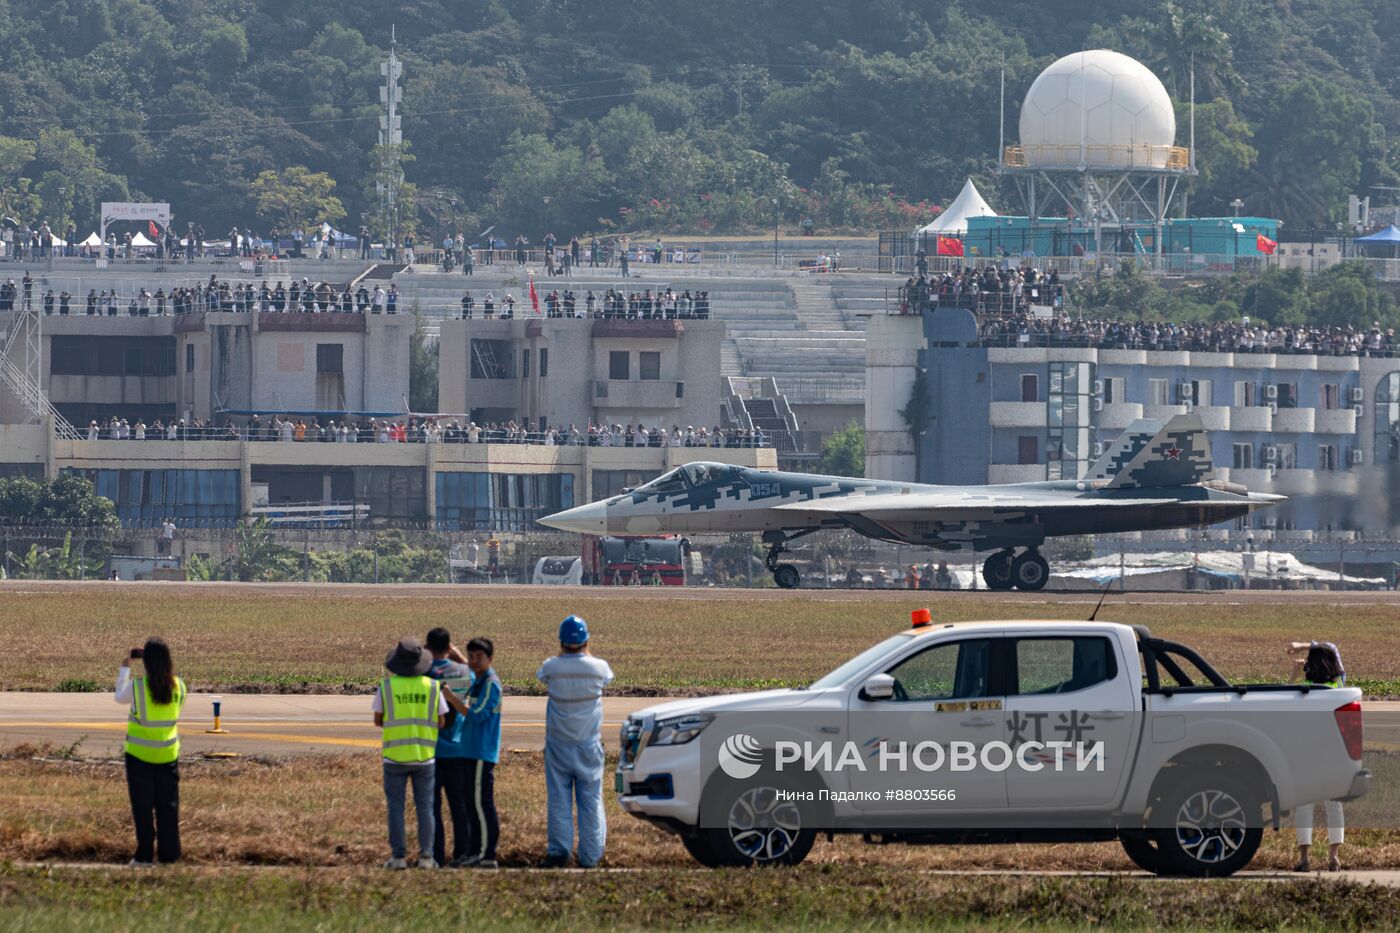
pixel 324 638
pixel 40 901
pixel 328 811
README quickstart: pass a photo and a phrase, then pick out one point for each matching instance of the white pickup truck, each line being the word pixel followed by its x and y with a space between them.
pixel 983 732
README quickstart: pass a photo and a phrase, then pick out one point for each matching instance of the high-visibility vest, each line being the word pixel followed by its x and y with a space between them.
pixel 410 718
pixel 152 735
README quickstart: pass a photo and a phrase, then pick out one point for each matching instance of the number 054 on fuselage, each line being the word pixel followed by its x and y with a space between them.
pixel 1154 476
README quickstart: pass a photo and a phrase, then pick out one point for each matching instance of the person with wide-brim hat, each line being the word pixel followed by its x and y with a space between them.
pixel 410 707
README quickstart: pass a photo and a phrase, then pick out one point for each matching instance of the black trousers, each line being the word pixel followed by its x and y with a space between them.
pixel 481 804
pixel 452 783
pixel 155 808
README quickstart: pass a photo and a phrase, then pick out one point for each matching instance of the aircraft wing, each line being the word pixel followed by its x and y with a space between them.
pixel 951 504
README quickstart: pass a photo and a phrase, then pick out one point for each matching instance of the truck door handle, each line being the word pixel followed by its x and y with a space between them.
pixel 829 730
pixel 979 722
pixel 1107 717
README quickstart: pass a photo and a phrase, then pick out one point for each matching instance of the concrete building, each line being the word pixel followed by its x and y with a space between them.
pixel 453 487
pixel 548 372
pixel 198 365
pixel 1323 430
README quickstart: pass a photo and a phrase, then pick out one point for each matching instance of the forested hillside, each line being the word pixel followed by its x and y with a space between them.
pixel 638 114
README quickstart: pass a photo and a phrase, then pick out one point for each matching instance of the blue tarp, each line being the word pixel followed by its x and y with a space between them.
pixel 1390 234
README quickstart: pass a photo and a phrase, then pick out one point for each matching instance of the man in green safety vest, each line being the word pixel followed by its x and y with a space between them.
pixel 410 707
pixel 152 751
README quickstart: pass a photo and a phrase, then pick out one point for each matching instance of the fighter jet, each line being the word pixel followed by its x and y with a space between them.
pixel 1154 476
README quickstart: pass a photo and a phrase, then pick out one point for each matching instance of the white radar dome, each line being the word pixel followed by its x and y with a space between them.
pixel 1098 109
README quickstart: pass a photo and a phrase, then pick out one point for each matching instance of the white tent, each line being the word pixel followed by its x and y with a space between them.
pixel 56 240
pixel 141 240
pixel 953 220
pixel 92 240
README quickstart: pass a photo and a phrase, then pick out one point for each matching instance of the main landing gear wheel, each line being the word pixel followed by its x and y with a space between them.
pixel 1030 571
pixel 996 571
pixel 786 576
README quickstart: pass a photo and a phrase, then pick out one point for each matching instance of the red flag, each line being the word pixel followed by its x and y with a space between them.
pixel 155 231
pixel 534 297
pixel 1265 245
pixel 949 246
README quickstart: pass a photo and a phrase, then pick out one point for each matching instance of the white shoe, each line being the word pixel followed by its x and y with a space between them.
pixel 396 864
pixel 135 864
pixel 426 861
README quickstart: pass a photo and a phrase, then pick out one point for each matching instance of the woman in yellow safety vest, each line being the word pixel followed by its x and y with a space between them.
pixel 1321 666
pixel 153 751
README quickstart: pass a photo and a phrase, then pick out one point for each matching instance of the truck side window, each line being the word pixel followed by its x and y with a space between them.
pixel 1061 665
pixel 958 670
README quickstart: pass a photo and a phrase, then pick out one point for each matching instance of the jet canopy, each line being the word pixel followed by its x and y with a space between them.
pixel 689 476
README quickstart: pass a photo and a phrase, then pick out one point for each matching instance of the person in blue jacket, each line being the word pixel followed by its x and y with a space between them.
pixel 481 743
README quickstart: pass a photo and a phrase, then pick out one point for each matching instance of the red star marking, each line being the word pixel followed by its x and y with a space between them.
pixel 1171 453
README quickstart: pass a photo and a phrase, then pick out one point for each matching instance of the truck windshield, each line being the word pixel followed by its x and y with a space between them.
pixel 867 657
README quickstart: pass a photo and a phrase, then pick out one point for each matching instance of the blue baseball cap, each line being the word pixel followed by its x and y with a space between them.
pixel 573 631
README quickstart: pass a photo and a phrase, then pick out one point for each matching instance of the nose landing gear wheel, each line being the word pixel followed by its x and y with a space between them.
pixel 786 576
pixel 1030 571
pixel 996 571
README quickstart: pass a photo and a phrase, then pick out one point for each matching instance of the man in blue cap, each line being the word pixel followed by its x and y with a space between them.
pixel 573 746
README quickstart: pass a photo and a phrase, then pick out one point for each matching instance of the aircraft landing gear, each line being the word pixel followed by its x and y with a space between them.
pixel 785 575
pixel 1027 572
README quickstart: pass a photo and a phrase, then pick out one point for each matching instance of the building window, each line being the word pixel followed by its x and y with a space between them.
pixel 1157 392
pixel 1288 395
pixel 491 359
pixel 544 362
pixel 330 358
pixel 189 357
pixel 524 364
pixel 1200 391
pixel 1327 457
pixel 1113 390
pixel 1068 428
pixel 649 365
pixel 1387 411
pixel 1027 450
pixel 92 355
pixel 619 365
pixel 1331 396
pixel 1244 456
pixel 1030 387
pixel 1244 394
pixel 1286 456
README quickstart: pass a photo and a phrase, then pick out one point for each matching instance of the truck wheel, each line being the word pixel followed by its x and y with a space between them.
pixel 1208 827
pixel 1141 850
pixel 761 828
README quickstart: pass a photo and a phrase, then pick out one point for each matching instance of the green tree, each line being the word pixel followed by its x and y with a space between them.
pixel 297 197
pixel 843 453
pixel 422 367
pixel 68 499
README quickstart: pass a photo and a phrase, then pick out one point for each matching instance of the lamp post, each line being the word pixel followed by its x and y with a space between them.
pixel 775 233
pixel 63 213
pixel 1236 206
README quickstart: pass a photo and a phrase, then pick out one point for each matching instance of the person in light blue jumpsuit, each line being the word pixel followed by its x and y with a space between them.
pixel 573 746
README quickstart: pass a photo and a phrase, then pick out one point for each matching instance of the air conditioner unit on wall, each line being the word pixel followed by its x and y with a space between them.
pixel 1356 395
pixel 1270 454
pixel 1273 407
pixel 1185 391
pixel 1271 392
pixel 1099 448
pixel 1098 404
pixel 1098 387
pixel 1357 409
pixel 1357 456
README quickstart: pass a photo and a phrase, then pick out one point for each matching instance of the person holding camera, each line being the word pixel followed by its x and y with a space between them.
pixel 152 751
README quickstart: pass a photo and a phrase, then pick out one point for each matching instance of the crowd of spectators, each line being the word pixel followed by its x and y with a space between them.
pixel 1242 336
pixel 302 296
pixel 421 430
pixel 612 304
pixel 989 290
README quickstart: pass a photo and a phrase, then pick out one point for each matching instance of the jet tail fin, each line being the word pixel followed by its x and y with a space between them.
pixel 1151 454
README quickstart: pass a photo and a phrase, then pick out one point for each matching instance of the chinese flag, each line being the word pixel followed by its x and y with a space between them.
pixel 1265 245
pixel 155 232
pixel 949 246
pixel 534 297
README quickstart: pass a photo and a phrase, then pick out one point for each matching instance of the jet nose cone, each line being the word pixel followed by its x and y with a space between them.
pixel 591 519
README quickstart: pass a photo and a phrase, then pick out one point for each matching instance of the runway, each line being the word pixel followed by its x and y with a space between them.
pixel 275 725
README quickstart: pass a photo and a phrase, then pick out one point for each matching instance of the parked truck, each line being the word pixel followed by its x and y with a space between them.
pixel 1137 739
